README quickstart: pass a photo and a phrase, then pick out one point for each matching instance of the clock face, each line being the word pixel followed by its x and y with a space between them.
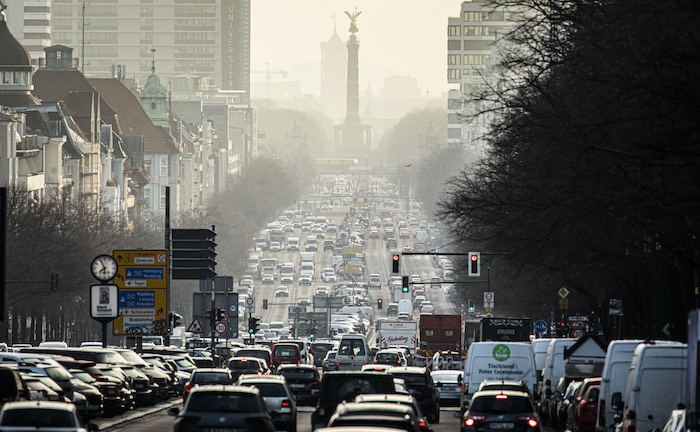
pixel 104 268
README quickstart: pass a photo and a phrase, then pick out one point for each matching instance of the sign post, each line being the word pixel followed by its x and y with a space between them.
pixel 104 306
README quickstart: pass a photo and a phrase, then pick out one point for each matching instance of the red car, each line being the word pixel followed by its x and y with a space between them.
pixel 583 407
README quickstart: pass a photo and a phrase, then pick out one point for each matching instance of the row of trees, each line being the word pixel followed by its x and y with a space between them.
pixel 592 180
pixel 59 236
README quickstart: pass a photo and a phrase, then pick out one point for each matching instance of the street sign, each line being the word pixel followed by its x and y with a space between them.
pixel 140 268
pixel 104 303
pixel 488 299
pixel 195 326
pixel 563 303
pixel 220 327
pixel 250 301
pixel 142 312
pixel 563 292
pixel 540 326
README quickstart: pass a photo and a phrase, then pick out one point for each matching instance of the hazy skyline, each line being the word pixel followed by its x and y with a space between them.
pixel 397 37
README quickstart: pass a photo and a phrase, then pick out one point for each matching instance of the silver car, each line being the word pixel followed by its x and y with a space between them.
pixel 278 398
pixel 449 385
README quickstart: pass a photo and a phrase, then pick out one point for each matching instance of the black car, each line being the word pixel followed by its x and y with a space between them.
pixel 345 386
pixel 501 409
pixel 244 365
pixel 209 376
pixel 303 380
pixel 421 385
pixel 319 350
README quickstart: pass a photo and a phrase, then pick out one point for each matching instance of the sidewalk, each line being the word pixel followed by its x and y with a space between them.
pixel 106 423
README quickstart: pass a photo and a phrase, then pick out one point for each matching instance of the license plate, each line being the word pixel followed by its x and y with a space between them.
pixel 296 386
pixel 224 430
pixel 502 425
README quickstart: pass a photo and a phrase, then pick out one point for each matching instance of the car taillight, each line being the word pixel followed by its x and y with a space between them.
pixel 531 421
pixel 188 420
pixel 188 387
pixel 422 424
pixel 630 422
pixel 469 421
pixel 286 403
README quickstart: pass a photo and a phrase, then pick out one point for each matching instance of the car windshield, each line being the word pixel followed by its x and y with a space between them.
pixel 244 364
pixel 222 403
pixel 37 418
pixel 349 389
pixel 211 378
pixel 500 405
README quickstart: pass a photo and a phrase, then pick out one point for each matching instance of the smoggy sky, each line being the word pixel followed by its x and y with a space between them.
pixel 397 37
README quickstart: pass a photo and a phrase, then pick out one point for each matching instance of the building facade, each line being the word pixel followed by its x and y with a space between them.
pixel 472 40
pixel 207 41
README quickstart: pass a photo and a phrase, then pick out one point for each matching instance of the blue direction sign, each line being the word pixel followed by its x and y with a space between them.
pixel 138 299
pixel 141 269
pixel 540 326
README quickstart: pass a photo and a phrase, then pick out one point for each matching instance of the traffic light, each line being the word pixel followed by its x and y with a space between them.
pixel 474 264
pixel 264 303
pixel 471 306
pixel 404 284
pixel 175 319
pixel 379 304
pixel 395 263
pixel 312 333
pixel 253 324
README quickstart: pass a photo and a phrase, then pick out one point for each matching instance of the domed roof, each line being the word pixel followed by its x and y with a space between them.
pixel 13 55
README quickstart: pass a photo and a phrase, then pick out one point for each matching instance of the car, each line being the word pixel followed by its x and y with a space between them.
pixel 244 365
pixel 328 275
pixel 389 357
pixel 382 414
pixel 287 277
pixel 435 282
pixel 23 416
pixel 414 279
pixel 449 384
pixel 267 278
pixel 203 376
pixel 375 281
pixel 426 308
pixel 304 300
pixel 305 278
pixel 282 291
pixel 319 350
pixel 500 409
pixel 328 245
pixel 278 399
pixel 401 399
pixel 285 353
pixel 504 385
pixel 338 386
pixel 303 380
pixel 392 309
pixel 230 407
pixel 275 246
pixel 374 233
pixel 321 291
pixel 329 363
pixel 421 385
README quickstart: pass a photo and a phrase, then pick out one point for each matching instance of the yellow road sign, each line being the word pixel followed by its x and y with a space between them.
pixel 141 312
pixel 141 268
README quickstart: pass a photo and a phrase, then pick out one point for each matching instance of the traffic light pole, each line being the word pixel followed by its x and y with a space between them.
pixel 251 336
pixel 212 324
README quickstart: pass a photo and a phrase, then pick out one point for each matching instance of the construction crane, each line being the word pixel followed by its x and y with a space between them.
pixel 268 77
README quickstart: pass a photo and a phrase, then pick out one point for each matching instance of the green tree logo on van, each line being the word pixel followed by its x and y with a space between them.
pixel 501 352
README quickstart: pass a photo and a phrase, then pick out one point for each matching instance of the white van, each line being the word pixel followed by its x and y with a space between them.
pixel 311 244
pixel 405 306
pixel 293 244
pixel 554 365
pixel 539 350
pixel 656 384
pixel 497 361
pixel 353 352
pixel 613 379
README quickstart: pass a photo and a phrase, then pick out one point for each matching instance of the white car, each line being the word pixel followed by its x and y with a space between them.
pixel 321 291
pixel 287 278
pixel 268 278
pixel 328 275
pixel 305 278
pixel 275 246
pixel 375 281
pixel 304 300
pixel 282 291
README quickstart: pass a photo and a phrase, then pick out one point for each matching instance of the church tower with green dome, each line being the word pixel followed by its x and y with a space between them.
pixel 154 98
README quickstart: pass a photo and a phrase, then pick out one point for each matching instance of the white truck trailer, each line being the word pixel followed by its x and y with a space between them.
pixel 403 333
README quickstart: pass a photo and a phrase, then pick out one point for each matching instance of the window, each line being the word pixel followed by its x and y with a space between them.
pixel 454 59
pixel 454 74
pixel 453 30
pixel 147 167
pixel 163 166
pixel 162 196
pixel 147 197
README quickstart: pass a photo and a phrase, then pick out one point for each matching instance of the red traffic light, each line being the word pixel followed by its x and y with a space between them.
pixel 395 257
pixel 475 257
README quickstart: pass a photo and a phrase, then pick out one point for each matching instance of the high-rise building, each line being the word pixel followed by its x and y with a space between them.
pixel 471 54
pixel 334 63
pixel 207 39
pixel 30 22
